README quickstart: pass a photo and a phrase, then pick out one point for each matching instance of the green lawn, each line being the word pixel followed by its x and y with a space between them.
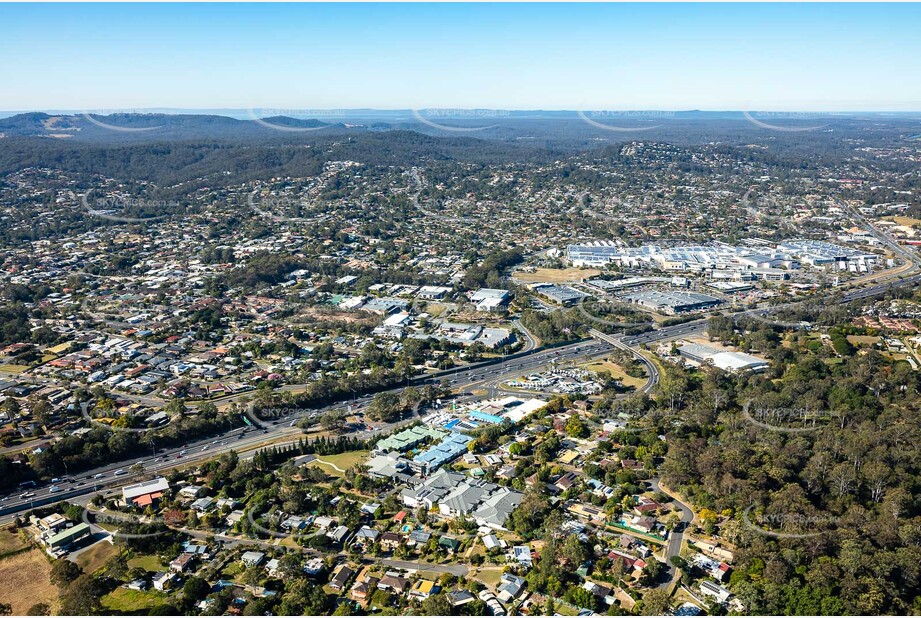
pixel 342 461
pixel 147 562
pixel 124 601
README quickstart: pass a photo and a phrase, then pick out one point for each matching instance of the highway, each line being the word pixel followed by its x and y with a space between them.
pixel 244 438
pixel 651 367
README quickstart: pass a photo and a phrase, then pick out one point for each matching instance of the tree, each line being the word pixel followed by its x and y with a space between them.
pixel 63 572
pixel 436 605
pixel 39 609
pixel 655 603
pixel 196 588
pixel 576 428
pixel 581 597
pixel 6 609
pixel 82 597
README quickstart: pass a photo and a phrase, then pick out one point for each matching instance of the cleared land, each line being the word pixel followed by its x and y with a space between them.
pixel 10 542
pixel 147 562
pixel 25 579
pixel 96 556
pixel 124 601
pixel 617 372
pixel 556 275
pixel 337 465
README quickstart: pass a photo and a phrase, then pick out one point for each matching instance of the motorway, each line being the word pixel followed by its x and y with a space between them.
pixel 244 438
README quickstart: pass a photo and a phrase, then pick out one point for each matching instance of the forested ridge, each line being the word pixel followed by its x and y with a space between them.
pixel 811 469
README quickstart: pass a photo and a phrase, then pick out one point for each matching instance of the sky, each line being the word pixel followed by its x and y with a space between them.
pixel 828 57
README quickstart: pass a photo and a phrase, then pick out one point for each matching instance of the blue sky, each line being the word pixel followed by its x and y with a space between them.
pixel 510 56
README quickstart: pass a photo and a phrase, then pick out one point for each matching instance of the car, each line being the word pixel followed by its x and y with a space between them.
pixel 53 489
pixel 26 495
pixel 205 447
pixel 182 452
pixel 99 476
pixel 119 472
pixel 55 480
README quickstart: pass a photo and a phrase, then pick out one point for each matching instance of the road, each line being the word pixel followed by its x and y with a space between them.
pixel 243 438
pixel 651 369
pixel 676 538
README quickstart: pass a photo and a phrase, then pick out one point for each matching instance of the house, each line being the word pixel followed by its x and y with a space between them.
pixel 191 492
pixel 339 534
pixel 716 591
pixel 182 563
pixel 340 577
pixel 163 580
pixel 365 536
pixel 491 542
pixel 566 481
pixel 65 539
pixel 460 597
pixel 451 544
pixel 252 558
pixel 510 587
pixel 418 537
pixel 423 589
pixel 390 541
pixel 203 505
pixel 314 567
pixel 522 554
pixel 364 589
pixel 394 582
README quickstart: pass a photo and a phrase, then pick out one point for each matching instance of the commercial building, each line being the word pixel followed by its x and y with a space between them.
pixel 65 539
pixel 721 359
pixel 488 299
pixel 457 495
pixel 562 294
pixel 145 493
pixel 671 303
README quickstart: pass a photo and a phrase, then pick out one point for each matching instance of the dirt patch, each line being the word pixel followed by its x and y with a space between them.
pixel 26 581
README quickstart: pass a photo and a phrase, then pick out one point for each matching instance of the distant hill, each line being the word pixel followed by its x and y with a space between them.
pixel 122 127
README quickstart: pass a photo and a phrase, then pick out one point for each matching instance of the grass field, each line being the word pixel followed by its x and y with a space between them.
pixel 10 541
pixel 336 465
pixel 617 372
pixel 13 368
pixel 96 556
pixel 861 341
pixel 556 275
pixel 124 601
pixel 25 579
pixel 908 221
pixel 489 576
pixel 147 562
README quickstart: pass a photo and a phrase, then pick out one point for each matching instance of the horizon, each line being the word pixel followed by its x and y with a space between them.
pixel 538 57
